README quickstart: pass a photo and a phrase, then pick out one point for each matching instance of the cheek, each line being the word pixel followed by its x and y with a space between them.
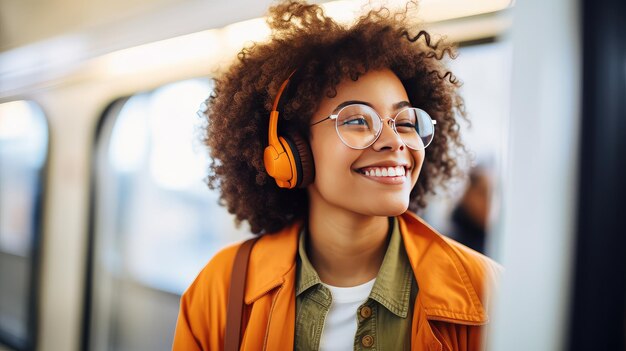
pixel 326 147
pixel 331 157
pixel 333 162
pixel 418 162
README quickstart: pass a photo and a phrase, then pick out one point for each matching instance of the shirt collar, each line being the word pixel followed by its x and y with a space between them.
pixel 392 288
pixel 306 276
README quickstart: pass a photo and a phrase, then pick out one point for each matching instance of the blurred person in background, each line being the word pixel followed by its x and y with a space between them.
pixel 471 214
pixel 331 187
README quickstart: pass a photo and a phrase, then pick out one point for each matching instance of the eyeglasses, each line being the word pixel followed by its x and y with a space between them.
pixel 359 126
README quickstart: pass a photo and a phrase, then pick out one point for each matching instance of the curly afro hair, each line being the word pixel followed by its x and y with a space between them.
pixel 324 52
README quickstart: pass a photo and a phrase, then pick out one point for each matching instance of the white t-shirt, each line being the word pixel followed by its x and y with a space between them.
pixel 341 321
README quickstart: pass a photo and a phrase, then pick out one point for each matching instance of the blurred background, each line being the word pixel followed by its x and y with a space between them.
pixel 105 219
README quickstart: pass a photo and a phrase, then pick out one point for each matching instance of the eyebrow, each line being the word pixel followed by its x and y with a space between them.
pixel 395 106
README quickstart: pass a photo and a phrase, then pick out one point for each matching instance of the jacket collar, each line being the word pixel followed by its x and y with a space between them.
pixel 445 290
pixel 271 260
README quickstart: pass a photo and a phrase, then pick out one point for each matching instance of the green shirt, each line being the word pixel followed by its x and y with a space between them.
pixel 383 321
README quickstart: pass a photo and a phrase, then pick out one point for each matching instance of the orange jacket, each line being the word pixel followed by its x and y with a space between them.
pixel 450 308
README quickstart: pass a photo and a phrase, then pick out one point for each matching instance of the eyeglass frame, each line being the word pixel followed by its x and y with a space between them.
pixel 337 111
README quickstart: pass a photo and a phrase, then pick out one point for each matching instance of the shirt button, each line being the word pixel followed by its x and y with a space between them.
pixel 366 311
pixel 367 341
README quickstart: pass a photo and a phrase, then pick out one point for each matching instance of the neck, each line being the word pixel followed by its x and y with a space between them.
pixel 345 248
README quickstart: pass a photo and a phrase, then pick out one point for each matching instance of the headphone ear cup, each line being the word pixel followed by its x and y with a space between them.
pixel 293 167
pixel 304 160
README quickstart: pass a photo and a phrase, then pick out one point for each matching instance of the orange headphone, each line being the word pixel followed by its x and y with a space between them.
pixel 288 159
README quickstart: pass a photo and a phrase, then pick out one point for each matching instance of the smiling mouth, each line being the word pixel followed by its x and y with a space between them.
pixel 390 172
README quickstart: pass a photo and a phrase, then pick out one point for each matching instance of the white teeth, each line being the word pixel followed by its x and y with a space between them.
pixel 398 171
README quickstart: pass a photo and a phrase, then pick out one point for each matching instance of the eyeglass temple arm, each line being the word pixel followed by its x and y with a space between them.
pixel 329 117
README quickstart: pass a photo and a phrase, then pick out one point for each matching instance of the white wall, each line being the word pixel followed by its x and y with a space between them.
pixel 540 197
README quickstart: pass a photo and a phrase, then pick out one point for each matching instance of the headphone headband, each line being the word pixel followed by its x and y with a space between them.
pixel 273 129
pixel 281 90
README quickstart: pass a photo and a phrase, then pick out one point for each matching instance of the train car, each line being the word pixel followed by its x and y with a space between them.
pixel 105 217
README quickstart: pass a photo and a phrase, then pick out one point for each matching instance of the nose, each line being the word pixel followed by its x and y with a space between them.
pixel 388 138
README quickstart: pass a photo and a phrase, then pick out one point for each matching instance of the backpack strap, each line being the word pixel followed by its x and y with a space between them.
pixel 235 296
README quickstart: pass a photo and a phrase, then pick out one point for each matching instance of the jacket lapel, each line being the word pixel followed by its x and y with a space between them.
pixel 445 290
pixel 272 275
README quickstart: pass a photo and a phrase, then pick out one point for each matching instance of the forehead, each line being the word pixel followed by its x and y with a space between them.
pixel 381 88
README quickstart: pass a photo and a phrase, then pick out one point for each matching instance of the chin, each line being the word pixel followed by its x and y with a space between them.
pixel 389 209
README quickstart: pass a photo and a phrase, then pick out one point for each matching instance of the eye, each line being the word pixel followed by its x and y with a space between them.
pixel 405 125
pixel 406 122
pixel 356 120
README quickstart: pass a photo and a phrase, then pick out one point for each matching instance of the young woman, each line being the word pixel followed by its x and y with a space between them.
pixel 324 140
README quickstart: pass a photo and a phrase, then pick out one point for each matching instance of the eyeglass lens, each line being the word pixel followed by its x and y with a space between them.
pixel 359 126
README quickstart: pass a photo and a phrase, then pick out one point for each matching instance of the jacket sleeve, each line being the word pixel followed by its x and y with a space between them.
pixel 458 337
pixel 202 316
pixel 183 336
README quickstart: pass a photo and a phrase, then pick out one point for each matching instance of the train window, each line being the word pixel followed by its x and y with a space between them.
pixel 23 155
pixel 470 209
pixel 155 223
